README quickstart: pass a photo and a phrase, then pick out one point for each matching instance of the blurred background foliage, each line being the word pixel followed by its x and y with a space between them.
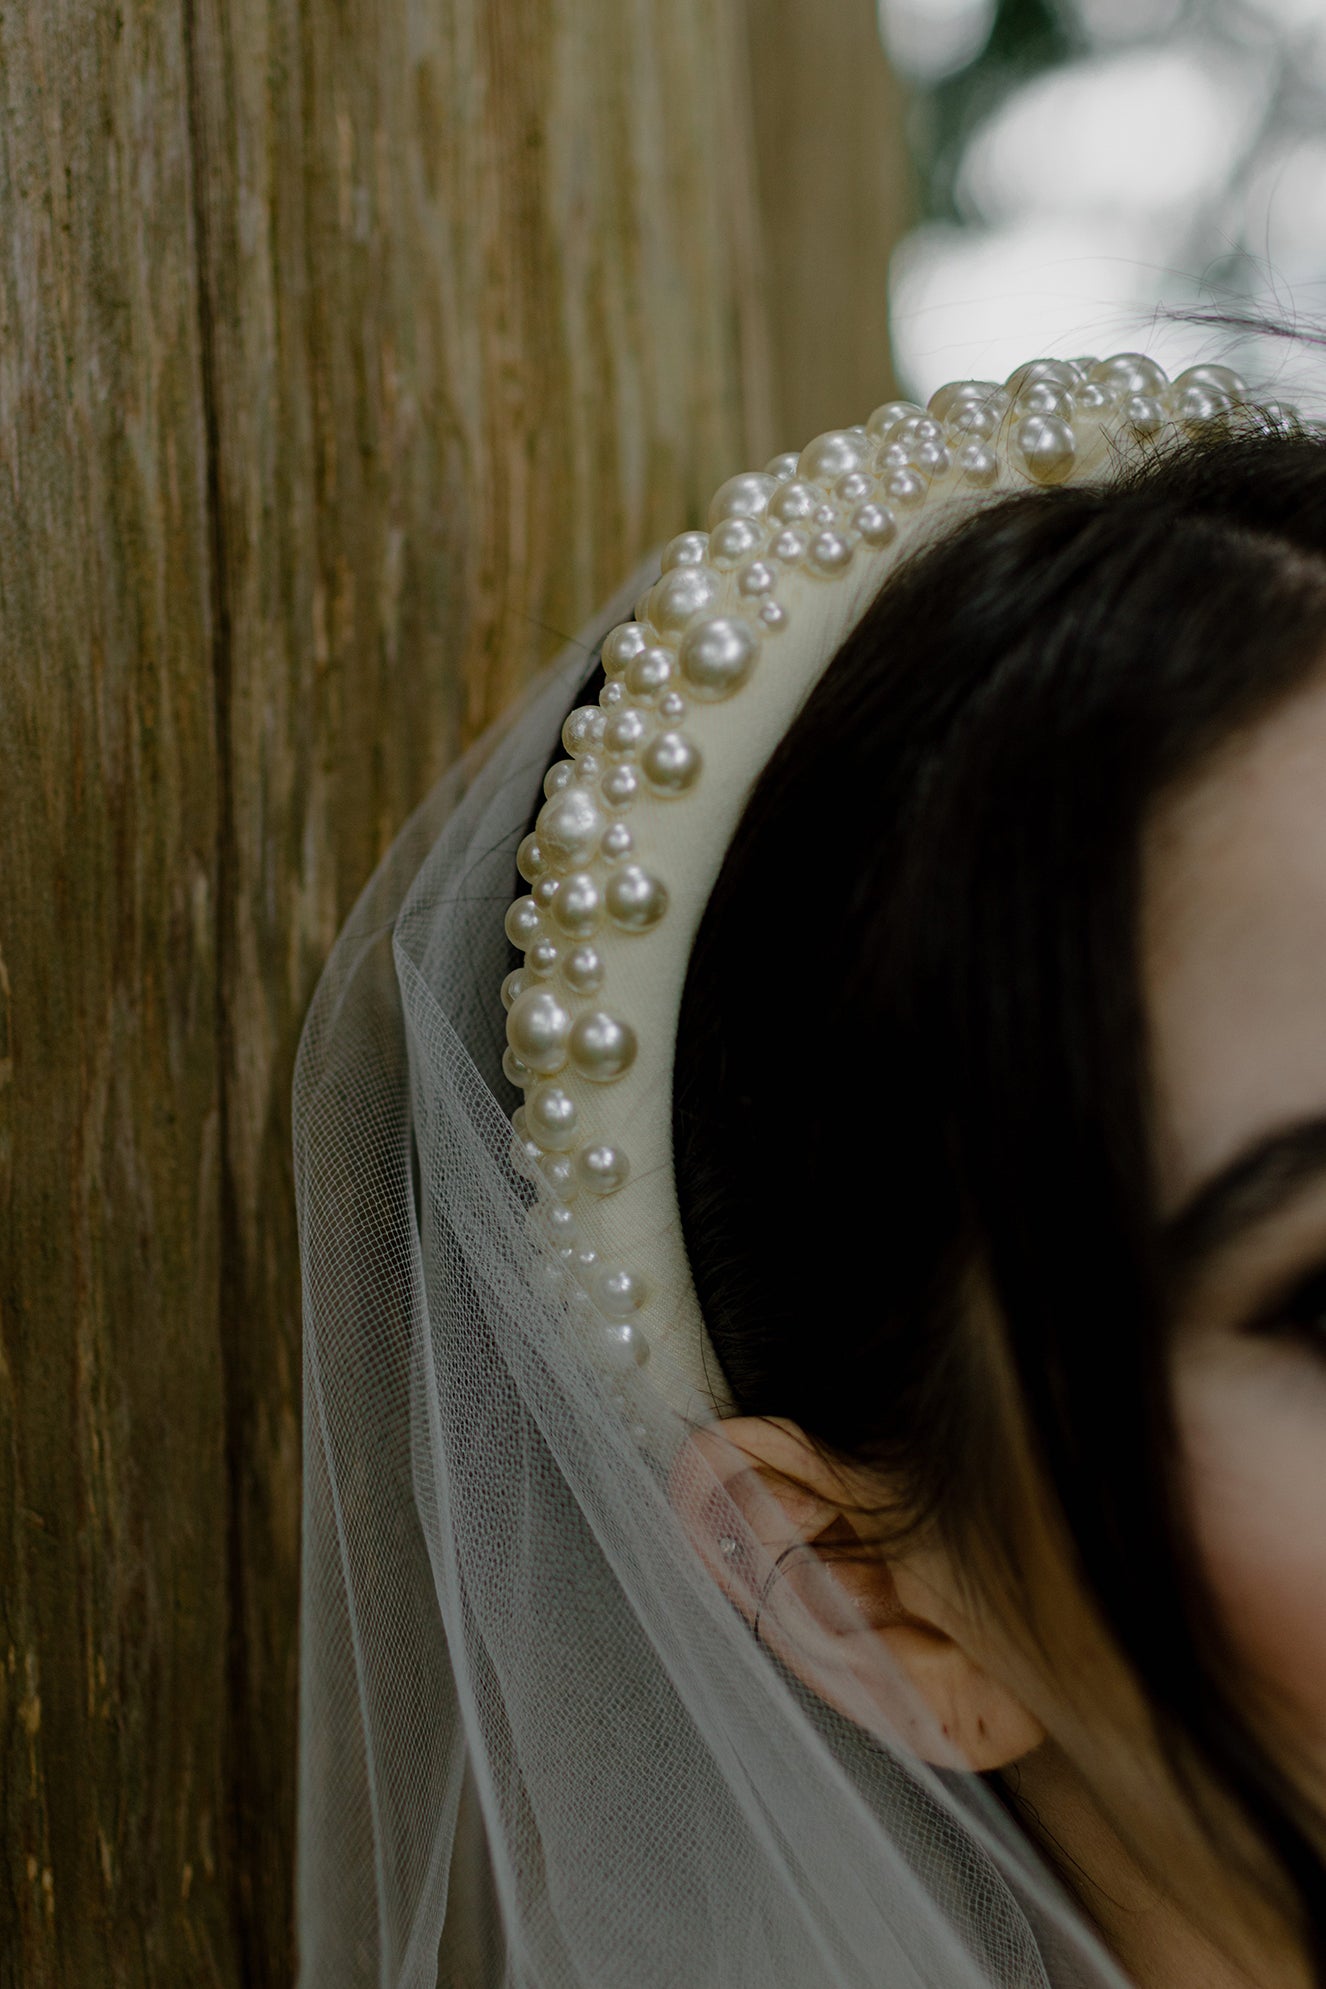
pixel 1087 169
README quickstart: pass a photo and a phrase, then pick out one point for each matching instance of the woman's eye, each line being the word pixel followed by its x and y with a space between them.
pixel 1301 1316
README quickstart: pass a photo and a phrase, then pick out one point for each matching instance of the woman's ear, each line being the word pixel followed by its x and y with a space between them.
pixel 881 1636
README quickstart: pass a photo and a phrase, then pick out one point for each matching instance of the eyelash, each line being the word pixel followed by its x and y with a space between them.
pixel 1300 1315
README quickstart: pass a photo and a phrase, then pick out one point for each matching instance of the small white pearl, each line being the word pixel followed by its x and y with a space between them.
pixel 1218 379
pixel 525 1155
pixel 625 733
pixel 831 455
pixel 794 502
pixel 1090 398
pixel 602 1046
pixel 875 523
pixel 555 1222
pixel 826 515
pixel 773 615
pixel 613 693
pixel 733 541
pixel 978 465
pixel 622 1346
pixel 1143 413
pixel 974 420
pixel 688 549
pixel 538 1029
pixel 617 1292
pixel 542 956
pixel 514 984
pixel 672 708
pixel 830 553
pixel 789 547
pixel 682 595
pixel 635 900
pixel 930 458
pixel 894 456
pixel 544 892
pixel 520 1124
pixel 947 402
pixel 671 763
pixel 583 970
pixel 552 1117
pixel 855 487
pixel 570 825
pixel 1046 397
pixel 589 766
pixel 916 429
pixel 583 730
pixel 1047 448
pixel 718 656
pixel 602 1169
pixel 530 860
pixel 649 673
pixel 1197 406
pixel 905 489
pixel 782 467
pixel 558 777
pixel 885 419
pixel 620 785
pixel 578 911
pixel 625 641
pixel 617 843
pixel 523 923
pixel 755 579
pixel 559 1172
pixel 742 496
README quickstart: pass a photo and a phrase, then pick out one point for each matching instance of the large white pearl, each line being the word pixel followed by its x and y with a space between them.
pixel 602 1047
pixel 831 455
pixel 829 553
pixel 885 419
pixel 875 523
pixel 1060 372
pixel 1219 379
pixel 687 549
pixel 625 733
pixel 569 826
pixel 542 956
pixel 602 1169
pixel 782 467
pixel 1047 448
pixel 733 541
pixel 742 496
pixel 625 641
pixel 1129 373
pixel 795 501
pixel 620 785
pixel 649 673
pixel 537 1030
pixel 671 763
pixel 635 900
pixel 552 1118
pixel 1197 406
pixel 717 657
pixel 583 730
pixel 579 908
pixel 523 923
pixel 945 402
pixel 680 596
pixel 583 970
pixel 530 860
pixel 617 1292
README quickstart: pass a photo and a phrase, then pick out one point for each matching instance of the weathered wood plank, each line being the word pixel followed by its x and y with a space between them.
pixel 113 1512
pixel 486 320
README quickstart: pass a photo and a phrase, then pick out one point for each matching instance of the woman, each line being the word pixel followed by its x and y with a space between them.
pixel 840 1502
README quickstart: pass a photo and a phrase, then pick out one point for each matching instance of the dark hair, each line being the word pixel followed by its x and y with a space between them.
pixel 912 1047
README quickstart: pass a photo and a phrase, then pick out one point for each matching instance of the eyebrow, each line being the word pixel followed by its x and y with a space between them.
pixel 1261 1179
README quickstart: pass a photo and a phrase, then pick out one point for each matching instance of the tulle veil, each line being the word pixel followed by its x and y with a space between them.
pixel 539 1747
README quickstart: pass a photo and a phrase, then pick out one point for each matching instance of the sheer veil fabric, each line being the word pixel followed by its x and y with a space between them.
pixel 539 1745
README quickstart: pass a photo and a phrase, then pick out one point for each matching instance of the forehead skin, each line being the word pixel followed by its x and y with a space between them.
pixel 1234 945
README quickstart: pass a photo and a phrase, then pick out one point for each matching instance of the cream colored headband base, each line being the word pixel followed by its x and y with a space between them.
pixel 637 819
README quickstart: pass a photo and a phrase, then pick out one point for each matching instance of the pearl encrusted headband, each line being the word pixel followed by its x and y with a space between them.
pixel 637 818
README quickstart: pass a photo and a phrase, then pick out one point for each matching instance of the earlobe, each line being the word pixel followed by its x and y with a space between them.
pixel 877 1636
